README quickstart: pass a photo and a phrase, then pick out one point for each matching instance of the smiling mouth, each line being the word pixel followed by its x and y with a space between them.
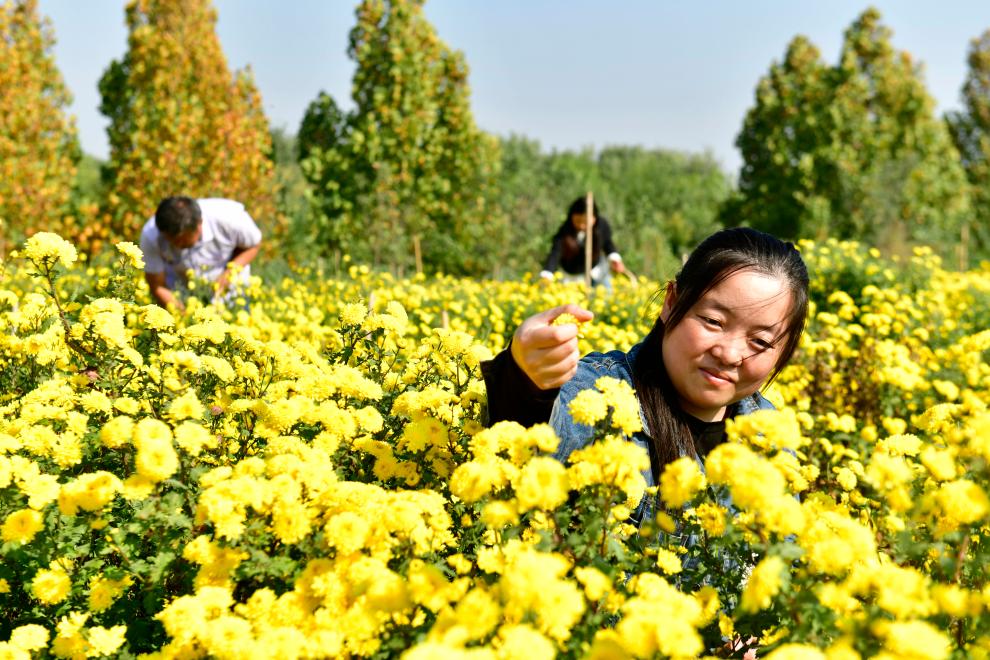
pixel 716 377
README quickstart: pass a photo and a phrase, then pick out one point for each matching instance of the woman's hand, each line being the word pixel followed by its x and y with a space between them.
pixel 548 354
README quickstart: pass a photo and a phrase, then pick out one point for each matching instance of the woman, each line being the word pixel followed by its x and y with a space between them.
pixel 731 320
pixel 567 249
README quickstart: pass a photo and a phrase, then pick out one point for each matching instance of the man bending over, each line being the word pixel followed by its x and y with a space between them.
pixel 205 238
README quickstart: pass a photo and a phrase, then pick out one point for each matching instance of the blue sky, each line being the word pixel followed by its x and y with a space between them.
pixel 571 74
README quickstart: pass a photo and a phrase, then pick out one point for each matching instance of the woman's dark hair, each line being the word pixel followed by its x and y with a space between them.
pixel 177 215
pixel 719 256
pixel 580 206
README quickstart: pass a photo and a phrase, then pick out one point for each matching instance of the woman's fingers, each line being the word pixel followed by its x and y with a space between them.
pixel 548 316
pixel 537 331
pixel 548 354
pixel 550 336
pixel 558 375
pixel 580 313
pixel 549 367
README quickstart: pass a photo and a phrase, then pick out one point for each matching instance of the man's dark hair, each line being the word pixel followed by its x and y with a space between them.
pixel 177 215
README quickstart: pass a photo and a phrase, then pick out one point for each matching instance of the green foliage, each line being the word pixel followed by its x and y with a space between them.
pixel 660 203
pixel 532 192
pixel 971 133
pixel 409 160
pixel 89 183
pixel 783 183
pixel 292 194
pixel 661 196
pixel 38 145
pixel 849 151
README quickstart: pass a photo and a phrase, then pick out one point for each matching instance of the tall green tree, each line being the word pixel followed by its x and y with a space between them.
pixel 409 160
pixel 909 184
pixel 180 122
pixel 786 176
pixel 851 151
pixel 467 161
pixel 971 134
pixel 38 145
pixel 323 153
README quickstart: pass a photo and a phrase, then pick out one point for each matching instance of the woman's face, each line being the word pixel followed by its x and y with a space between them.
pixel 580 221
pixel 728 342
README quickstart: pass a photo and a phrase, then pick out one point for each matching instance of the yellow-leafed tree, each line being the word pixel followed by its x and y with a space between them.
pixel 180 122
pixel 38 145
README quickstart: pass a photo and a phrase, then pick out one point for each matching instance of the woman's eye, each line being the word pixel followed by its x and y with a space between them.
pixel 762 344
pixel 710 321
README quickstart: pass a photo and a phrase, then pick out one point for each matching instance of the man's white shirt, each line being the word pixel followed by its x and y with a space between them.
pixel 226 228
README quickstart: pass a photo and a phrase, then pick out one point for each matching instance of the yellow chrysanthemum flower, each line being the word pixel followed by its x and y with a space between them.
pixel 51 585
pixel 30 637
pixel 541 484
pixel 680 482
pixel 22 526
pixel 763 584
pixel 588 407
pixel 48 248
pixel 132 252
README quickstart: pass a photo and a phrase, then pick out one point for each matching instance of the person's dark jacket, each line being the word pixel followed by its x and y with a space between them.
pixel 567 252
pixel 512 396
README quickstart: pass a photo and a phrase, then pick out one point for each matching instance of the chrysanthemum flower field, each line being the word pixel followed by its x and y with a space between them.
pixel 310 476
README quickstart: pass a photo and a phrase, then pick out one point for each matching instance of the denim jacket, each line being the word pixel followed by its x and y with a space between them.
pixel 574 436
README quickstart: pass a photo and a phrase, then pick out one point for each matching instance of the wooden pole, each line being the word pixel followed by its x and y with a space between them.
pixel 418 254
pixel 589 232
pixel 963 252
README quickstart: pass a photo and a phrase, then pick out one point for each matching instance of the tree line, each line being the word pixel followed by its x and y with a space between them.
pixel 851 150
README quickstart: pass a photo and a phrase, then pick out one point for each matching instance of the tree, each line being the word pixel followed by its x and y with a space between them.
pixel 467 162
pixel 336 178
pixel 971 134
pixel 409 160
pixel 38 145
pixel 851 151
pixel 180 123
pixel 909 184
pixel 783 183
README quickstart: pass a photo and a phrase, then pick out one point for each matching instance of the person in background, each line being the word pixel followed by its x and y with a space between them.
pixel 209 238
pixel 568 249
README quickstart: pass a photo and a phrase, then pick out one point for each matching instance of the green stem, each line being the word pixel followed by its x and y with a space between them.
pixel 63 317
pixel 957 624
pixel 608 512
